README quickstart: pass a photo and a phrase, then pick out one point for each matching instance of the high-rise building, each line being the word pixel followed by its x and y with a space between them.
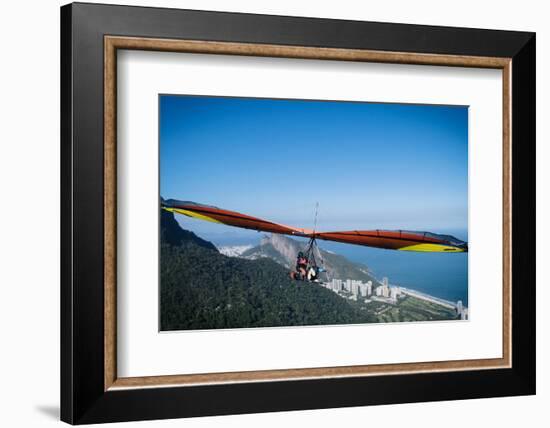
pixel 385 281
pixel 355 287
pixel 385 290
pixel 459 307
pixel 369 288
pixel 394 292
pixel 336 284
pixel 348 284
pixel 363 289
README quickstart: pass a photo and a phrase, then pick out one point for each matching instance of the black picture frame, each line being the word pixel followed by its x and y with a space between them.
pixel 83 396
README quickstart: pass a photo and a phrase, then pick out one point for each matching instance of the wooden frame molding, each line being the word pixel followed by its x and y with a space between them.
pixel 113 43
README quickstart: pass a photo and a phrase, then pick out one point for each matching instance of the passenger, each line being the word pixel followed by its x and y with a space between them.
pixel 301 266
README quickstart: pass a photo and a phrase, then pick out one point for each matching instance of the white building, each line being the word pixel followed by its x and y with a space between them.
pixel 336 284
pixel 348 284
pixel 369 288
pixel 395 292
pixel 459 307
pixel 355 287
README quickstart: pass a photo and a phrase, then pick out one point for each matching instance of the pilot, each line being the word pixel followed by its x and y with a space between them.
pixel 313 274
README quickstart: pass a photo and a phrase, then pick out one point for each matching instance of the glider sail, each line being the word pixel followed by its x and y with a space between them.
pixel 402 240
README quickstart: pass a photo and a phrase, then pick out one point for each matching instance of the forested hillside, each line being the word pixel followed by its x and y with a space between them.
pixel 203 289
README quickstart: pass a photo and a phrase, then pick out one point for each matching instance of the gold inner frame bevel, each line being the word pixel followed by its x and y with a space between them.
pixel 113 43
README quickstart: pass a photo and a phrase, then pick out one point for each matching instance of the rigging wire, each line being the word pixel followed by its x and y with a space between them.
pixel 312 245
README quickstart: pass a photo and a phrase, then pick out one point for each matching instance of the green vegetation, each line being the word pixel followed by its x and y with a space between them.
pixel 343 268
pixel 408 309
pixel 414 309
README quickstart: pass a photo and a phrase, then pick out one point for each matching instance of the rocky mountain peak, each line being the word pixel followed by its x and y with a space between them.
pixel 284 250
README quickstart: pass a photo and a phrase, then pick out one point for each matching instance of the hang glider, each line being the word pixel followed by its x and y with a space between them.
pixel 403 240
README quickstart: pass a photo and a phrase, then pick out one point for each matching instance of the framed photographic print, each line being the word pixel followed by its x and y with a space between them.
pixel 265 213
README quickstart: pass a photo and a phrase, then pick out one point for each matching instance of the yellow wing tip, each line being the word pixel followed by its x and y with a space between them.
pixel 433 248
pixel 192 214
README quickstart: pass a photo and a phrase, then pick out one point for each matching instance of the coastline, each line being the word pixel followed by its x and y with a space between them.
pixel 421 295
pixel 428 298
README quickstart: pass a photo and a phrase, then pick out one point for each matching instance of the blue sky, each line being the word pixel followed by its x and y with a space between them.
pixel 368 165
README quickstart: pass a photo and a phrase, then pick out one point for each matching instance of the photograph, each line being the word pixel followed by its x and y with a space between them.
pixel 294 212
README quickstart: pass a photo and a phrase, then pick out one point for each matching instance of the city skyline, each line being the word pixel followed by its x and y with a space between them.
pixel 385 292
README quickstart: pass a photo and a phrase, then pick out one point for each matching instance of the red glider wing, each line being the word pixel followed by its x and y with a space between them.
pixel 398 240
pixel 230 218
